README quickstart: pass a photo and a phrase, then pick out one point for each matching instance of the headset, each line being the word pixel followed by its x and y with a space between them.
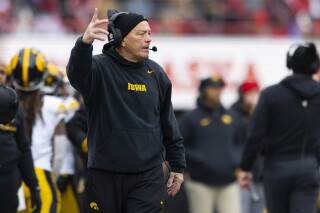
pixel 114 36
pixel 293 58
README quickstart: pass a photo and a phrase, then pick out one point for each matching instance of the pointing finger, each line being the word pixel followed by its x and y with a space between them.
pixel 95 15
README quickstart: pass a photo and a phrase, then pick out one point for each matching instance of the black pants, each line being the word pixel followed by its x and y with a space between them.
pixel 9 185
pixel 111 192
pixel 292 186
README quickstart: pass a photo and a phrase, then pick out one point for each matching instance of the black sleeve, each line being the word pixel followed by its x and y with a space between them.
pixel 77 129
pixel 257 130
pixel 26 162
pixel 185 126
pixel 79 66
pixel 172 139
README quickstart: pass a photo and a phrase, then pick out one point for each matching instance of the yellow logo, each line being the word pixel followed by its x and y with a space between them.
pixel 8 128
pixel 84 145
pixel 94 206
pixel 226 119
pixel 205 121
pixel 137 87
pixel 150 71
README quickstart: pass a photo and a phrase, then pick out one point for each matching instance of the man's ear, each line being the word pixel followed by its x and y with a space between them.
pixel 123 43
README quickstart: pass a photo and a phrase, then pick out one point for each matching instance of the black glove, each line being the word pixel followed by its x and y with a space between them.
pixel 35 200
pixel 63 181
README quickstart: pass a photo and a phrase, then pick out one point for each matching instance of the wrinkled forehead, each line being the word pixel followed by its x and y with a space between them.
pixel 142 26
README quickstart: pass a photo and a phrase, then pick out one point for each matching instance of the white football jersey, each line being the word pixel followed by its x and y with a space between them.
pixel 67 166
pixel 53 111
pixel 64 158
pixel 72 105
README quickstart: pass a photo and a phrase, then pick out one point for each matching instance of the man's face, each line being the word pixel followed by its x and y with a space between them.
pixel 137 42
pixel 212 95
pixel 3 74
pixel 251 98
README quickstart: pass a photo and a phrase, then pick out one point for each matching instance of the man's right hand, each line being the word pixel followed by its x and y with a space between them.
pixel 174 183
pixel 93 30
pixel 244 179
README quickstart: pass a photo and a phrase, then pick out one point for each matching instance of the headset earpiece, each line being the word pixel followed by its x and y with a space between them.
pixel 290 54
pixel 114 35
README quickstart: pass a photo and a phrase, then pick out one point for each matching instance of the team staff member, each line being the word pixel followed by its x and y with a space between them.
pixel 209 133
pixel 130 116
pixel 286 125
pixel 15 155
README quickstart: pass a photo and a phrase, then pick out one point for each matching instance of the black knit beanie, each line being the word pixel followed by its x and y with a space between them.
pixel 127 21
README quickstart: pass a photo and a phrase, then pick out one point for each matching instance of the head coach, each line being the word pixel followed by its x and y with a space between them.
pixel 132 128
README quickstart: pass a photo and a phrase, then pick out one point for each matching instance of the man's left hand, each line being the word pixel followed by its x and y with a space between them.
pixel 174 183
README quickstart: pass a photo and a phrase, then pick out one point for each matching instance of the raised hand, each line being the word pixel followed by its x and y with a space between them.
pixel 94 31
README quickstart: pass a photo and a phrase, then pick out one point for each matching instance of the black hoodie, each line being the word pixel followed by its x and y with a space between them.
pixel 285 123
pixel 130 115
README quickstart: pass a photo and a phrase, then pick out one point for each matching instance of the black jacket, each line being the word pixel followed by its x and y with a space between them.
pixel 15 150
pixel 130 115
pixel 209 138
pixel 285 123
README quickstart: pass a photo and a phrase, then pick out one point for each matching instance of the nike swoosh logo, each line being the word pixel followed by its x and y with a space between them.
pixel 150 71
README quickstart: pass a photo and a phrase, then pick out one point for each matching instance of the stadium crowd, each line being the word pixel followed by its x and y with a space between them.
pixel 179 17
pixel 63 107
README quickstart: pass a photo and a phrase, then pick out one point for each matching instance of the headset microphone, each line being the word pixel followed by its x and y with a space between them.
pixel 154 49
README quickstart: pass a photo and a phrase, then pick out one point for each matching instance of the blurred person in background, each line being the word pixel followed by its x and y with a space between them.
pixel 131 122
pixel 56 84
pixel 285 125
pixel 209 137
pixel 66 170
pixel 16 162
pixel 42 114
pixel 249 92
